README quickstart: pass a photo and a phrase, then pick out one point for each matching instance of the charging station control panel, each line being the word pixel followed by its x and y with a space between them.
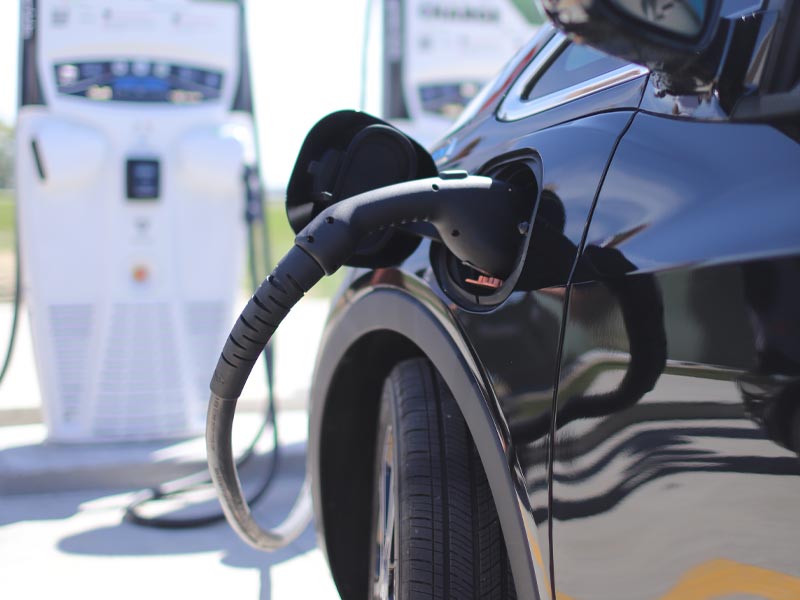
pixel 138 81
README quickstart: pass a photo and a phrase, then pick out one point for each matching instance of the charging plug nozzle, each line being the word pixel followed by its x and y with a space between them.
pixel 476 219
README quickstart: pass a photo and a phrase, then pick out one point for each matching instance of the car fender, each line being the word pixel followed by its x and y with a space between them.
pixel 406 309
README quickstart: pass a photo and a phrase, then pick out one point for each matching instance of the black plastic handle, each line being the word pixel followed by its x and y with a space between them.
pixel 475 217
pixel 297 273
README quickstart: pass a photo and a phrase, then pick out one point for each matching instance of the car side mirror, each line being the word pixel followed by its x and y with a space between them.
pixel 683 20
pixel 678 39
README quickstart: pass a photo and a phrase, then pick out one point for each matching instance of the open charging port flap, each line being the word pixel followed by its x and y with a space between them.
pixel 465 285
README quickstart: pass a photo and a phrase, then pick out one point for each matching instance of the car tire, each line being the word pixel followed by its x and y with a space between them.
pixel 435 530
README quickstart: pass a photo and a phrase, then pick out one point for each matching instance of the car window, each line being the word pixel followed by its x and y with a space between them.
pixel 573 65
pixel 501 80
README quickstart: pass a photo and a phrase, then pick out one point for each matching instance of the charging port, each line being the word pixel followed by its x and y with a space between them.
pixel 467 286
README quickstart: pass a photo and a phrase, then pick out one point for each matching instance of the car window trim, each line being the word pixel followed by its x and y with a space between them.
pixel 515 107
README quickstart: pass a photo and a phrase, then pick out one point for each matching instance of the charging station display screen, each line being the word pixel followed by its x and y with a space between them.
pixel 138 81
pixel 144 177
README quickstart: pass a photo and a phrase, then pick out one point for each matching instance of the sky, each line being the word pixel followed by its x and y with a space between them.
pixel 306 63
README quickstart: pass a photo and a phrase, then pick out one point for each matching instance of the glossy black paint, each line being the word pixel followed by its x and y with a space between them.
pixel 663 478
pixel 686 193
pixel 677 421
pixel 658 311
pixel 530 321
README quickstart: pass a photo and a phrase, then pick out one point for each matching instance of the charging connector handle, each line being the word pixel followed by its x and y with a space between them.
pixel 474 219
pixel 472 214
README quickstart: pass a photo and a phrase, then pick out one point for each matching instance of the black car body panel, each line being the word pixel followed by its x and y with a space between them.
pixel 574 156
pixel 658 312
pixel 684 438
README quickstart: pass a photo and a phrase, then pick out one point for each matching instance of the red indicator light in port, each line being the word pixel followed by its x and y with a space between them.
pixel 491 283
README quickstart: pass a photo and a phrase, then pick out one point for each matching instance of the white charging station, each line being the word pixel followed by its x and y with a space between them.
pixel 135 129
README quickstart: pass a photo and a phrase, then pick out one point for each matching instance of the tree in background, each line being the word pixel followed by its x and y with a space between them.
pixel 6 156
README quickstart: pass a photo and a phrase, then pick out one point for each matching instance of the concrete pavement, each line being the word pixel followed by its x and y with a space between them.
pixel 76 545
pixel 62 532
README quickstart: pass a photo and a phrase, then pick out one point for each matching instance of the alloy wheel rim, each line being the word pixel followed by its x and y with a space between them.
pixel 384 576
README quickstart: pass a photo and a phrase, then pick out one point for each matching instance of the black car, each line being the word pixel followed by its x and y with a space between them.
pixel 616 414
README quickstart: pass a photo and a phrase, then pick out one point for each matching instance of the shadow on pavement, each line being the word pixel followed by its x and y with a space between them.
pixel 46 467
pixel 68 505
pixel 128 540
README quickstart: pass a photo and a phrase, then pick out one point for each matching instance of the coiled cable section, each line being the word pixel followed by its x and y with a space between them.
pixel 297 273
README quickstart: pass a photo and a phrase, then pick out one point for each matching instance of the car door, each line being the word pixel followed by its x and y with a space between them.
pixel 560 120
pixel 676 470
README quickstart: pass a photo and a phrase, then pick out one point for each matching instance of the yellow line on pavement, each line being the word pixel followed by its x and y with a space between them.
pixel 721 577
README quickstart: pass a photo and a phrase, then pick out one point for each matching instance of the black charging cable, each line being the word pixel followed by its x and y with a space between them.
pixel 255 218
pixel 473 216
pixel 17 303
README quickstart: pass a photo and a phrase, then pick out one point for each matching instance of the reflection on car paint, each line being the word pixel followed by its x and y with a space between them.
pixel 721 578
pixel 696 472
pixel 671 468
pixel 530 319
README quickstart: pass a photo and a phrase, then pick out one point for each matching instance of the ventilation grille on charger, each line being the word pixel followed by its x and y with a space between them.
pixel 71 330
pixel 139 392
pixel 205 325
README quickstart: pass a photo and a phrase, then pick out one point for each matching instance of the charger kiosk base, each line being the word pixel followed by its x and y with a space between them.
pixel 131 160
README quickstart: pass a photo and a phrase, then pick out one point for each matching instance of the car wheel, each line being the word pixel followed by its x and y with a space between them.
pixel 435 530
